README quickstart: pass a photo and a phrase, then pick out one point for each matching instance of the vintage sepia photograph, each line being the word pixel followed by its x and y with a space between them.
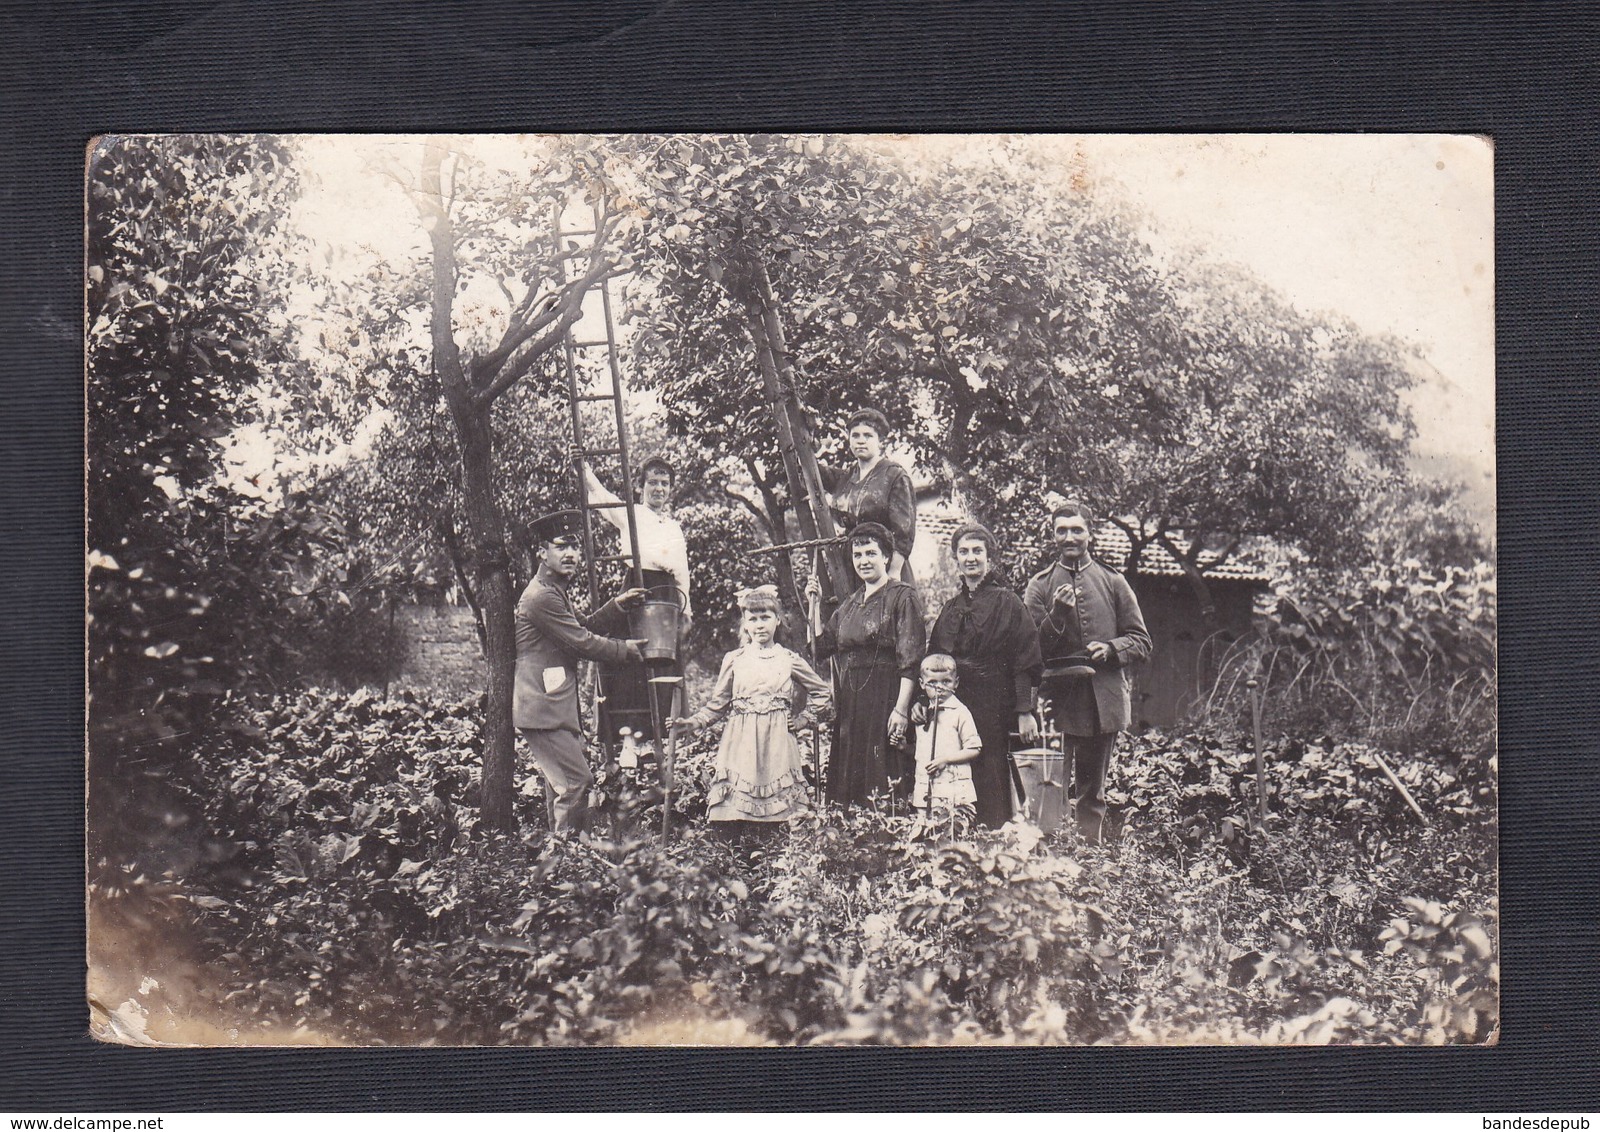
pixel 791 590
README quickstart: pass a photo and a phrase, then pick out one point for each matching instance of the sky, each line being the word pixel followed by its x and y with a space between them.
pixel 1395 232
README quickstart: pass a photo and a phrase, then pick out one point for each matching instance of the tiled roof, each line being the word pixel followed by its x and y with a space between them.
pixel 1111 546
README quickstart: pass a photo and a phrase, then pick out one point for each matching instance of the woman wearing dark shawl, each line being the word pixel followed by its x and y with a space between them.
pixel 996 647
pixel 875 490
pixel 876 637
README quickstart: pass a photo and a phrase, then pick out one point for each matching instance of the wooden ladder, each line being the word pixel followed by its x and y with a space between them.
pixel 615 394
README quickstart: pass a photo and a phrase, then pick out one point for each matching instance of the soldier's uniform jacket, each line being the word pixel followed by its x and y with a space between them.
pixel 551 639
pixel 1105 610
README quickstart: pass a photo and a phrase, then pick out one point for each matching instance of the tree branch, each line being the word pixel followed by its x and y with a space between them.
pixel 488 364
pixel 749 505
pixel 1224 556
pixel 514 370
pixel 1136 542
pixel 520 331
pixel 535 280
pixel 441 235
pixel 564 309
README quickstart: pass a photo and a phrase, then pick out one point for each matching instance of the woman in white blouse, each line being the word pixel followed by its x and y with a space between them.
pixel 662 549
pixel 664 561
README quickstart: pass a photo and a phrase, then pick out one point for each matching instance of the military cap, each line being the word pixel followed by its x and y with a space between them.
pixel 558 526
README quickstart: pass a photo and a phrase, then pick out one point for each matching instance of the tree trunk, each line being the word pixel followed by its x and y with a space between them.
pixel 486 533
pixel 957 446
pixel 1192 571
pixel 492 568
pixel 957 455
pixel 794 620
pixel 537 325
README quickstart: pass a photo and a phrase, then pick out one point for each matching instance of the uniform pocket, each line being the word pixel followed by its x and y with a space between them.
pixel 555 678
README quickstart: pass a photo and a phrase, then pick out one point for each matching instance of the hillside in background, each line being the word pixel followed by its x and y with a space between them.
pixel 1455 438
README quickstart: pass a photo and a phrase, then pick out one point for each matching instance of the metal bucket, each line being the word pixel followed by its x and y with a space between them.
pixel 657 622
pixel 1044 785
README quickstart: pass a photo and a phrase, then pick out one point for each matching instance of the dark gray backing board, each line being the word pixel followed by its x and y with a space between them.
pixel 1525 74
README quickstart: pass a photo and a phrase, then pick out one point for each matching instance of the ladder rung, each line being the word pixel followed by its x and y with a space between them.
pixel 597 397
pixel 614 558
pixel 603 506
pixel 599 452
pixel 577 232
pixel 590 343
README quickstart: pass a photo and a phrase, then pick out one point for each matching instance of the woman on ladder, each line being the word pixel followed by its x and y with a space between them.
pixel 664 567
pixel 663 552
pixel 876 490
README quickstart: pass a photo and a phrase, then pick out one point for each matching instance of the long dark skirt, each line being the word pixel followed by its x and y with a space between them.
pixel 990 701
pixel 862 763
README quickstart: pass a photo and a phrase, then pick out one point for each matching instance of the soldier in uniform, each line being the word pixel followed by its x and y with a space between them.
pixel 551 639
pixel 1090 625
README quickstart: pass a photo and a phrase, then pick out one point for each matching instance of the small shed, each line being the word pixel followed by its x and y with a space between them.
pixel 1186 647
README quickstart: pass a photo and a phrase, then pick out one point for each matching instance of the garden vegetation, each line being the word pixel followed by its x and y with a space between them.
pixel 280 850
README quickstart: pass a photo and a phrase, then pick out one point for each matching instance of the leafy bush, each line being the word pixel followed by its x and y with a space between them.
pixel 1400 656
pixel 351 893
pixel 1457 950
pixel 177 337
pixel 195 590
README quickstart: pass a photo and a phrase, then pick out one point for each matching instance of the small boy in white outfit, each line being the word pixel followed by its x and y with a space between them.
pixel 947 740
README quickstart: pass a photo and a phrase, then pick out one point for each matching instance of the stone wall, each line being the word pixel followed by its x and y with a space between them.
pixel 442 650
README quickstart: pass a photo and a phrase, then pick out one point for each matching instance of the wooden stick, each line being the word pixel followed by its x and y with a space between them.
pixel 667 754
pixel 816 761
pixel 1400 786
pixel 1261 763
pixel 802 544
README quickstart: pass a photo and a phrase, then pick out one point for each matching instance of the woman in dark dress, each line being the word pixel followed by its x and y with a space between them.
pixel 875 490
pixel 876 639
pixel 996 647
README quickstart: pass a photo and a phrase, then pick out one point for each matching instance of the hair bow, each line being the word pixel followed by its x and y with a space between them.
pixel 768 592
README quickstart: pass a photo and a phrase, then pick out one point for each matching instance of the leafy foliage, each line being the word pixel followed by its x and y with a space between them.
pixel 1400 655
pixel 1276 424
pixel 354 893
pixel 1018 334
pixel 181 590
pixel 178 329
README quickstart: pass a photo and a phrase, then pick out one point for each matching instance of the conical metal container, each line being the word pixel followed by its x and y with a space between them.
pixel 657 622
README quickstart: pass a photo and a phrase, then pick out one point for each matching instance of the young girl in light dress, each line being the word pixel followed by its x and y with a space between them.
pixel 766 692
